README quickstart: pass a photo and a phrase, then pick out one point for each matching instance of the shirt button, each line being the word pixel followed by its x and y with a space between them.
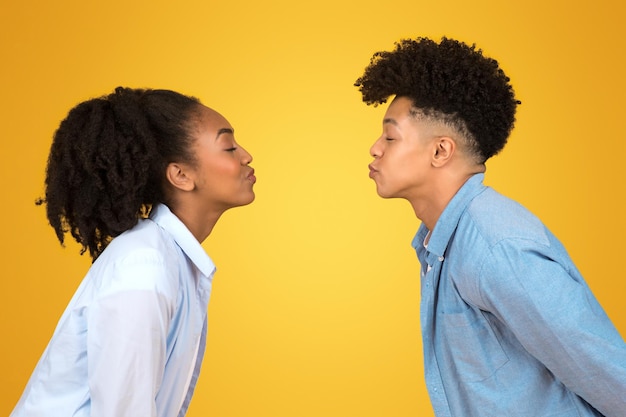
pixel 440 259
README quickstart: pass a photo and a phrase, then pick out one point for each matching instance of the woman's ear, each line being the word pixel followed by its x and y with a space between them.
pixel 445 147
pixel 179 176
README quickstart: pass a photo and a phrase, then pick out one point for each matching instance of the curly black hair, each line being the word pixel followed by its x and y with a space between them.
pixel 107 162
pixel 449 81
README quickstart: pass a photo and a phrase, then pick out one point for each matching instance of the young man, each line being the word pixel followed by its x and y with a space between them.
pixel 509 326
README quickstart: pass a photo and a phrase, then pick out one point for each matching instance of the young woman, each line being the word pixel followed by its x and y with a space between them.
pixel 139 178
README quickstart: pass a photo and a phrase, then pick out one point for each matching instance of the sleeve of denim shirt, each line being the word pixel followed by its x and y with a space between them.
pixel 538 293
pixel 128 326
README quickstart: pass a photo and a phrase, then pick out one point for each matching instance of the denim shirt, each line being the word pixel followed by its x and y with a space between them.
pixel 509 326
pixel 131 340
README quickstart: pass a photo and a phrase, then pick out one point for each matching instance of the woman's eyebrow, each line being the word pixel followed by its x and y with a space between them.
pixel 224 130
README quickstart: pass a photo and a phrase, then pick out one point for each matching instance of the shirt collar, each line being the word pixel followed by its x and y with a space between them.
pixel 162 216
pixel 449 219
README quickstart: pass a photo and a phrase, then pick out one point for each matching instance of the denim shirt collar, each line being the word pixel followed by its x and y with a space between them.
pixel 446 224
pixel 162 216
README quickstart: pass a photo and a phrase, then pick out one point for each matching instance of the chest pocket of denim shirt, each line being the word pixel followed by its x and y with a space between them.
pixel 467 341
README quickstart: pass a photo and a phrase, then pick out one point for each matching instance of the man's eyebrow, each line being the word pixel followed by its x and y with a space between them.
pixel 389 120
pixel 224 130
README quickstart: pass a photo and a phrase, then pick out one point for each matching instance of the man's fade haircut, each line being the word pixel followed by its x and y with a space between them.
pixel 450 82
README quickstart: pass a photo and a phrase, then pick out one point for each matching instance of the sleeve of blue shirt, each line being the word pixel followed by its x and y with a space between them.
pixel 538 293
pixel 126 343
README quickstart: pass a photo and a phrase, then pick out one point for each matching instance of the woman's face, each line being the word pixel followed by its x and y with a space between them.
pixel 223 176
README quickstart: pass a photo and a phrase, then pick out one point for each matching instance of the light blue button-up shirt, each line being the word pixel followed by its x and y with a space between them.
pixel 131 340
pixel 509 326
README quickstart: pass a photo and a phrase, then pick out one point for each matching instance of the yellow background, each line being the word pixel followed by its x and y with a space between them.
pixel 314 310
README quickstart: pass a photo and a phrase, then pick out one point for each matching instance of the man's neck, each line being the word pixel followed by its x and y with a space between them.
pixel 428 209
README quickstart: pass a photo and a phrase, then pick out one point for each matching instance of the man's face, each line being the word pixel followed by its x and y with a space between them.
pixel 402 154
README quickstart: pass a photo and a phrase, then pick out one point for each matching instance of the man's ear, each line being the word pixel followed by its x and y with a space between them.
pixel 445 147
pixel 179 175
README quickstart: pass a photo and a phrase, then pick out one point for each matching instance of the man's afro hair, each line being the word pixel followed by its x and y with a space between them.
pixel 449 78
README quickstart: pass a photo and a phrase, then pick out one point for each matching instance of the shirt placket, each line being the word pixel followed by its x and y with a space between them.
pixel 201 303
pixel 430 273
